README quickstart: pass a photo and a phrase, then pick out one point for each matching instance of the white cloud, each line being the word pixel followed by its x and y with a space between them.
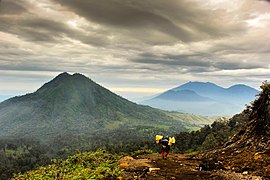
pixel 240 72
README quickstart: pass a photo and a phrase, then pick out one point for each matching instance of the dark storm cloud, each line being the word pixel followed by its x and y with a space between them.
pixel 52 29
pixel 170 63
pixel 37 29
pixel 193 62
pixel 129 22
pixel 171 60
pixel 124 14
pixel 28 68
pixel 11 7
pixel 179 20
pixel 234 65
pixel 33 29
pixel 17 18
pixel 240 47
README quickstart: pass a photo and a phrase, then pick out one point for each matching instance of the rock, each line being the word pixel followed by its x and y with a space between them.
pixel 245 173
pixel 124 164
pixel 153 169
pixel 257 156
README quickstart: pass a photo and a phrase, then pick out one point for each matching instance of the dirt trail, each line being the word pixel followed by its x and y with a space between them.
pixel 176 166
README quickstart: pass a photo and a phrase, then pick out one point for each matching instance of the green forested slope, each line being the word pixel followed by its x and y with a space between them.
pixel 89 165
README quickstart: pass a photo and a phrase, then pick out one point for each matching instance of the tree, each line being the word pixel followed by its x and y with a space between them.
pixel 210 142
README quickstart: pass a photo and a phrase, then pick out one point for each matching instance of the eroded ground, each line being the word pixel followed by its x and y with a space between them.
pixel 176 166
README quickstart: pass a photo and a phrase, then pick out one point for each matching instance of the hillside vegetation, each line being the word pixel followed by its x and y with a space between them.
pixel 249 149
pixel 89 165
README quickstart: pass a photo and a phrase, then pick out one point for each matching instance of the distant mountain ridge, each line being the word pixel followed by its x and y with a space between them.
pixel 207 99
pixel 182 95
pixel 239 91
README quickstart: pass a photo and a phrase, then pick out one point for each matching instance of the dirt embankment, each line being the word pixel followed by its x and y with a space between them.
pixel 176 166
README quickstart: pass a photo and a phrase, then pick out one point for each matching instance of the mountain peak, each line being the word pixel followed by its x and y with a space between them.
pixel 65 75
pixel 239 86
pixel 65 79
pixel 62 75
pixel 201 88
pixel 80 76
pixel 242 89
pixel 199 82
pixel 182 95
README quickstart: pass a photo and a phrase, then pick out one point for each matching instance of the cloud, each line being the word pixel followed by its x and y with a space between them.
pixel 171 60
pixel 24 19
pixel 37 29
pixel 11 7
pixel 172 20
pixel 194 62
pixel 256 72
pixel 130 43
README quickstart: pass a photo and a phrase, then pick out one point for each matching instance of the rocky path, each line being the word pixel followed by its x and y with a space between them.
pixel 176 166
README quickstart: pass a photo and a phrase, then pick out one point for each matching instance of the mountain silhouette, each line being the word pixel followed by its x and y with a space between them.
pixel 204 98
pixel 182 95
pixel 204 89
pixel 74 104
pixel 213 91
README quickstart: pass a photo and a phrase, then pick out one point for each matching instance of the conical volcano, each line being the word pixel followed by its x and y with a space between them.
pixel 74 104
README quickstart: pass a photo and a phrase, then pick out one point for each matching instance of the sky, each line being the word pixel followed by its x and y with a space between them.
pixel 134 48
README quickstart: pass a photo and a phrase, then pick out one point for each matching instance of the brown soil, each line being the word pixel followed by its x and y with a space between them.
pixel 176 166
